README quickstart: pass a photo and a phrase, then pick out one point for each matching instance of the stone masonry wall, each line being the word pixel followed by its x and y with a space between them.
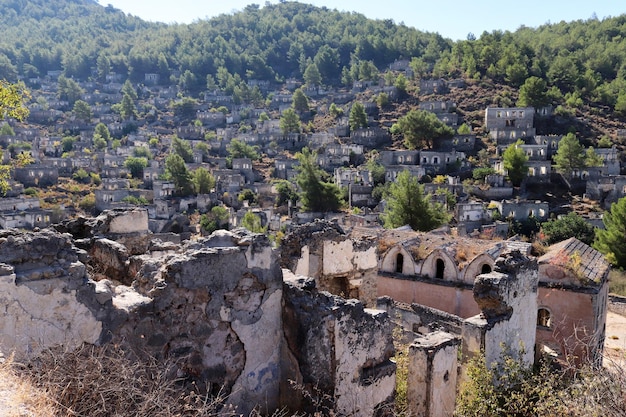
pixel 336 349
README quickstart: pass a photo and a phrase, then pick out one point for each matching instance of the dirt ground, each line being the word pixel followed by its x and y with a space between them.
pixel 615 342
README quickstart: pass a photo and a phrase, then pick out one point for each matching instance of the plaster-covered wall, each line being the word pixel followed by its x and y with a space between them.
pixel 337 349
pixel 507 298
pixel 432 375
pixel 451 299
pixel 40 278
pixel 134 221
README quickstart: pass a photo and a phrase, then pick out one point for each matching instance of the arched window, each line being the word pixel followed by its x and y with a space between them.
pixel 543 317
pixel 486 268
pixel 440 268
pixel 399 263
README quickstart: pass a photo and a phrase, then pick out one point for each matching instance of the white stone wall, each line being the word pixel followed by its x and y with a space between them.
pixel 353 395
pixel 432 376
pixel 31 321
pixel 130 222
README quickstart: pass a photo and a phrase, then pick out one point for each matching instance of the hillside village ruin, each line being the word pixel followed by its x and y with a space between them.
pixel 315 314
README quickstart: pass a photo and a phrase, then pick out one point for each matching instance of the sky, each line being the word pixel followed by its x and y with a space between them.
pixel 453 19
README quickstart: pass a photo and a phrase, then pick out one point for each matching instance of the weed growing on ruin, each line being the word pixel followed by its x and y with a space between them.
pixel 514 390
pixel 402 369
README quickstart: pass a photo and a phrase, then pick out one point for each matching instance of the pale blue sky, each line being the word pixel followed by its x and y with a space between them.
pixel 452 18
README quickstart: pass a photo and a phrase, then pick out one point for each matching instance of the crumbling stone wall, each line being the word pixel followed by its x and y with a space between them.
pixel 340 265
pixel 335 350
pixel 215 306
pixel 507 298
pixel 42 275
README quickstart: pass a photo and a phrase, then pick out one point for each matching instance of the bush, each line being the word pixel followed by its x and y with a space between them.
pixel 81 176
pixel 88 202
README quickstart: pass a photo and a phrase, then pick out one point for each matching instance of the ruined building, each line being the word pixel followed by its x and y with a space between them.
pixel 222 309
pixel 441 271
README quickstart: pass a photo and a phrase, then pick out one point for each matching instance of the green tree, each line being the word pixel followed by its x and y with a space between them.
pixel 300 102
pixel 357 118
pixel 315 193
pixel 592 159
pixel 479 174
pixel 335 110
pixel 216 219
pixel 129 90
pixel 611 240
pixel 203 181
pixel 421 128
pixel 605 142
pixel 6 130
pixel 82 110
pixel 382 100
pixel 249 196
pixel 142 151
pixel 285 192
pixel 252 222
pixel 67 143
pixel 289 122
pixel 127 108
pixel 408 205
pixel 401 85
pixel 464 129
pixel 312 76
pixel 570 156
pixel 12 97
pixel 136 165
pixel 185 109
pixel 99 142
pixel 176 170
pixel 240 149
pixel 182 148
pixel 263 117
pixel 570 225
pixel 533 93
pixel 69 90
pixel 103 131
pixel 515 162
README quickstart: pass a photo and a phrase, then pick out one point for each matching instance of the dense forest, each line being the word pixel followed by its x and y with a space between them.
pixel 562 63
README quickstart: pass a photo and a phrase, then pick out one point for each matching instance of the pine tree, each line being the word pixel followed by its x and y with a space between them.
pixel 358 118
pixel 611 240
pixel 315 193
pixel 570 155
pixel 407 204
pixel 515 160
pixel 290 122
pixel 177 171
pixel 300 101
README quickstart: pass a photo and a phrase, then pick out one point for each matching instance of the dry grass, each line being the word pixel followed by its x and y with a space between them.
pixel 18 397
pixel 108 381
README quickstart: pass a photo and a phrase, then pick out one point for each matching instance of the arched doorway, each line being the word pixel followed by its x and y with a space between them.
pixel 440 268
pixel 399 263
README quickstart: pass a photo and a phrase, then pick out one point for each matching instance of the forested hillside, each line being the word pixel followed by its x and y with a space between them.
pixel 582 60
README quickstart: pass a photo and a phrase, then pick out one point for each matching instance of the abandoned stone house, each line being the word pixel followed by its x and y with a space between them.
pixel 606 190
pixel 506 125
pixel 520 210
pixel 36 175
pixel 439 271
pixel 437 162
